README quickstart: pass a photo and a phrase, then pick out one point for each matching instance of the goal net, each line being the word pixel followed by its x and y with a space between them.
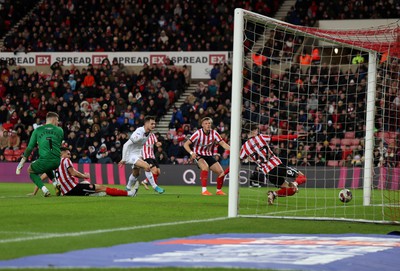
pixel 339 90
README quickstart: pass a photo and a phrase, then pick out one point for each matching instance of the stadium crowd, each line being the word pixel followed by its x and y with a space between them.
pixel 101 106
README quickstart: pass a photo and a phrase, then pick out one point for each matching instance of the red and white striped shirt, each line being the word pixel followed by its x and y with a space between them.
pixel 258 151
pixel 203 143
pixel 148 147
pixel 67 181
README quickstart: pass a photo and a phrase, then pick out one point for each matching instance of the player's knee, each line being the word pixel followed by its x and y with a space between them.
pixel 291 191
pixel 135 173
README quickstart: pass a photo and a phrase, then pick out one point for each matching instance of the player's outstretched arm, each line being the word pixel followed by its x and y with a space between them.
pixel 20 165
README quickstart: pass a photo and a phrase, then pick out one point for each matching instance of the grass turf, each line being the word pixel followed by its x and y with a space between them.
pixel 38 225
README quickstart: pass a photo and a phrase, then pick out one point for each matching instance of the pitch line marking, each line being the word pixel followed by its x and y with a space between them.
pixel 82 233
pixel 20 232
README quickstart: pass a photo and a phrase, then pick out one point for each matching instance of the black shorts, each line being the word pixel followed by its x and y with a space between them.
pixel 210 160
pixel 278 175
pixel 82 189
pixel 152 162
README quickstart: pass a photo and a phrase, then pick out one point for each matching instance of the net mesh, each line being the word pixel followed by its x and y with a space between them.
pixel 314 83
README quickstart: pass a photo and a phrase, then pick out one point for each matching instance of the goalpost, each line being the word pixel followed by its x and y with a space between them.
pixel 346 100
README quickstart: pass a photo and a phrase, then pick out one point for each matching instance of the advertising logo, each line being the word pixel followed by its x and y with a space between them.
pixel 97 59
pixel 157 59
pixel 217 59
pixel 42 60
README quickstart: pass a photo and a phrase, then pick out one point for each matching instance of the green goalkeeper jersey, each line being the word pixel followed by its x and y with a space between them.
pixel 49 138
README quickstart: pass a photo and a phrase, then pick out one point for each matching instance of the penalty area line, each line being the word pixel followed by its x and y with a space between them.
pixel 82 233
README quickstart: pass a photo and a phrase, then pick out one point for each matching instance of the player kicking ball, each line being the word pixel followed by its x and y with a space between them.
pixel 132 154
pixel 257 149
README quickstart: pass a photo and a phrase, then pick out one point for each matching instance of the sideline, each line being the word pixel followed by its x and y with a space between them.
pixel 82 233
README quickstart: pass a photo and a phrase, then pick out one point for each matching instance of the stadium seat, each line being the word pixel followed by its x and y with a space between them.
pixel 333 163
pixel 350 135
pixel 18 153
pixel 390 141
pixel 346 141
pixel 300 127
pixel 335 141
pixel 9 155
pixel 355 142
pixel 24 145
pixel 392 134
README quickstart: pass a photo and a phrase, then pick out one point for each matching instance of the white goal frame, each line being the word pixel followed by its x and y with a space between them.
pixel 236 121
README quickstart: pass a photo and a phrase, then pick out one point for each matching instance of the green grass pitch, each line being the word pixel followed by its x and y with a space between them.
pixel 38 225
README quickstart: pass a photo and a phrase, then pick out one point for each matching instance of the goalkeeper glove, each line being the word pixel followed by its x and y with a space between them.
pixel 20 165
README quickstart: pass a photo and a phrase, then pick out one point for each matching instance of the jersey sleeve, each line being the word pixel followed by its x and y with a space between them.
pixel 283 137
pixel 194 137
pixel 217 137
pixel 137 135
pixel 32 143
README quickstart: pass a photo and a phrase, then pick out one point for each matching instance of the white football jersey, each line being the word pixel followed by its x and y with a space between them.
pixel 138 138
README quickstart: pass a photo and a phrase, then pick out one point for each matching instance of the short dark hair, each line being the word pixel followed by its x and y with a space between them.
pixel 149 118
pixel 64 149
pixel 248 127
pixel 51 114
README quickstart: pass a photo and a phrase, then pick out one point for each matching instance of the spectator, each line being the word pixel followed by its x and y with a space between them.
pixel 14 140
pixel 85 158
pixel 214 72
pixel 337 153
pixel 346 152
pixel 114 155
pixel 177 118
pixel 4 137
pixel 347 162
pixel 161 155
pixel 320 160
pixel 174 149
pixel 72 82
pixel 102 155
pixel 357 160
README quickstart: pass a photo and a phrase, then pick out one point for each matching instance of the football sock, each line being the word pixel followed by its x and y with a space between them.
pixel 226 171
pixel 116 192
pixel 136 186
pixel 300 179
pixel 203 179
pixel 155 176
pixel 220 181
pixel 286 191
pixel 44 189
pixel 37 180
pixel 149 176
pixel 131 181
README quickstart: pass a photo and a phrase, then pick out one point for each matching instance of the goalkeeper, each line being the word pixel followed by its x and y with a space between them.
pixel 257 149
pixel 48 137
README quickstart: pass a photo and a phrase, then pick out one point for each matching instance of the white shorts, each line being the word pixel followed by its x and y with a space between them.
pixel 133 158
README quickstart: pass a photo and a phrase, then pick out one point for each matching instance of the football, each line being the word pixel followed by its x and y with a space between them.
pixel 345 195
